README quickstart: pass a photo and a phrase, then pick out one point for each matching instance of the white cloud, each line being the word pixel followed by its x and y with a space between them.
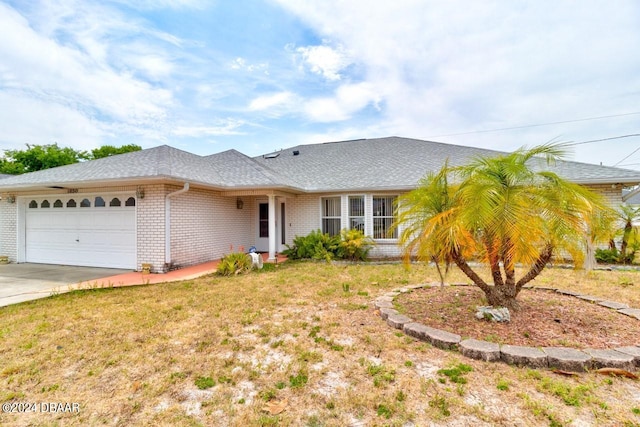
pixel 47 68
pixel 447 67
pixel 272 101
pixel 227 127
pixel 33 121
pixel 325 60
pixel 348 99
pixel 242 64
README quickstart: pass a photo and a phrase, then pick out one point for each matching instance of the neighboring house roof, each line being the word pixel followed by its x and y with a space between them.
pixel 368 164
pixel 397 163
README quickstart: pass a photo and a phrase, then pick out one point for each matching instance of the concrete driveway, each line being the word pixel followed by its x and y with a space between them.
pixel 25 282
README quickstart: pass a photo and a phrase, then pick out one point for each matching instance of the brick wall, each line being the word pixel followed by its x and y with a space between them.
pixel 205 225
pixel 150 227
pixel 8 224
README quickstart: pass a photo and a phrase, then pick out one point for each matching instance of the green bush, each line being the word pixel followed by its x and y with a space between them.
pixel 613 256
pixel 354 245
pixel 315 245
pixel 350 244
pixel 234 263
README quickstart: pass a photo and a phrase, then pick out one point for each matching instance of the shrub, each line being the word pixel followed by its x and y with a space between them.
pixel 354 245
pixel 613 256
pixel 234 263
pixel 315 245
pixel 350 244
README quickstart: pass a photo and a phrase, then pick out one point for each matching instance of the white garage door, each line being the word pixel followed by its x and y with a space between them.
pixel 96 230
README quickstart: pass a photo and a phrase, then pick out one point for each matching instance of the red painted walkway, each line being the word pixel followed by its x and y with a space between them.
pixel 137 278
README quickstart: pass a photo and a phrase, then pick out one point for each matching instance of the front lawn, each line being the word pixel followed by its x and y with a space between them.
pixel 299 345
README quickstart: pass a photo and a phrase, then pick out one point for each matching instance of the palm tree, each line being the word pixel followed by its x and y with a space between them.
pixel 423 211
pixel 504 210
pixel 628 215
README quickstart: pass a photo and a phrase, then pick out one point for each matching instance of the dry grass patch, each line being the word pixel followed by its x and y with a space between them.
pixel 294 346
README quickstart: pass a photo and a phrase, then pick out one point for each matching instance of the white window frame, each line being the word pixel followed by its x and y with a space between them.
pixel 324 214
pixel 384 215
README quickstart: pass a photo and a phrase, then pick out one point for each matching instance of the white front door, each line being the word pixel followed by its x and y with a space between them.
pixel 85 230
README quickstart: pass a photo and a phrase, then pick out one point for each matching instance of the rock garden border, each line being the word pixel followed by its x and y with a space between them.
pixel 563 358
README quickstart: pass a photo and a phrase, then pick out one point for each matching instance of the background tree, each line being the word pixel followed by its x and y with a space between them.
pixel 503 212
pixel 110 150
pixel 39 157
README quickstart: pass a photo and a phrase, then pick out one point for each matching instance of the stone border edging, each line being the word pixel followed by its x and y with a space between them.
pixel 567 359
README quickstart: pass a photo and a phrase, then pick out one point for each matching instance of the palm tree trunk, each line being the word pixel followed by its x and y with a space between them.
pixel 537 268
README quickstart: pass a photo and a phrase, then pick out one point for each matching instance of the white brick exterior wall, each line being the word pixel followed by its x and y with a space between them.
pixel 205 226
pixel 151 227
pixel 8 229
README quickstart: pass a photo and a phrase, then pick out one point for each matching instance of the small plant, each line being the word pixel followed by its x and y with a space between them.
pixel 204 382
pixel 267 395
pixel 234 263
pixel 503 385
pixel 635 411
pixel 456 373
pixel 346 288
pixel 280 385
pixel 299 380
pixel 381 374
pixel 384 411
pixel 440 403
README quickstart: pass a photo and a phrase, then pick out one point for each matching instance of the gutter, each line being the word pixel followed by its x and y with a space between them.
pixel 167 224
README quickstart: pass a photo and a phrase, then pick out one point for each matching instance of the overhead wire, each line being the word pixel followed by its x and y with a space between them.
pixel 536 125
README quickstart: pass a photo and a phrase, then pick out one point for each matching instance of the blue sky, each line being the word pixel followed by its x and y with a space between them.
pixel 257 76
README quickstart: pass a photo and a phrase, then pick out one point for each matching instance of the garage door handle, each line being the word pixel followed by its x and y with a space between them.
pixel 77 240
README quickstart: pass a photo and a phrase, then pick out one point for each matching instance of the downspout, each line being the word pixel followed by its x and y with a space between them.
pixel 167 224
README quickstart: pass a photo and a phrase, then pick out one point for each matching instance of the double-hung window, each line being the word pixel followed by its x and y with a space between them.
pixel 331 214
pixel 384 217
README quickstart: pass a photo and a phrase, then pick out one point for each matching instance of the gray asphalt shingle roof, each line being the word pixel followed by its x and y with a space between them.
pixel 400 163
pixel 367 164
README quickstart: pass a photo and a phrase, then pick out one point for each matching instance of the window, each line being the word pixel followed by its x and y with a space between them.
pixel 356 212
pixel 99 202
pixel 264 219
pixel 331 215
pixel 71 203
pixel 130 202
pixel 57 203
pixel 33 204
pixel 45 204
pixel 85 203
pixel 115 202
pixel 384 217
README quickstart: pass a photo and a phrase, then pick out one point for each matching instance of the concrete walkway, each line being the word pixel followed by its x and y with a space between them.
pixel 25 282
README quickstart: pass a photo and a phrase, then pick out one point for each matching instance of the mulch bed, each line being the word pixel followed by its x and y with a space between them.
pixel 545 319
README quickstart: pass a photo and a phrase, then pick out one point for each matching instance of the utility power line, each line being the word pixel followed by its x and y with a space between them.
pixel 570 144
pixel 535 125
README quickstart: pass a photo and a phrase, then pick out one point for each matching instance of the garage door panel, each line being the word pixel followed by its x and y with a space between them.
pixel 90 236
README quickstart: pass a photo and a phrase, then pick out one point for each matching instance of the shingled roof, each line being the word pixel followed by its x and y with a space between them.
pixel 367 164
pixel 399 163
